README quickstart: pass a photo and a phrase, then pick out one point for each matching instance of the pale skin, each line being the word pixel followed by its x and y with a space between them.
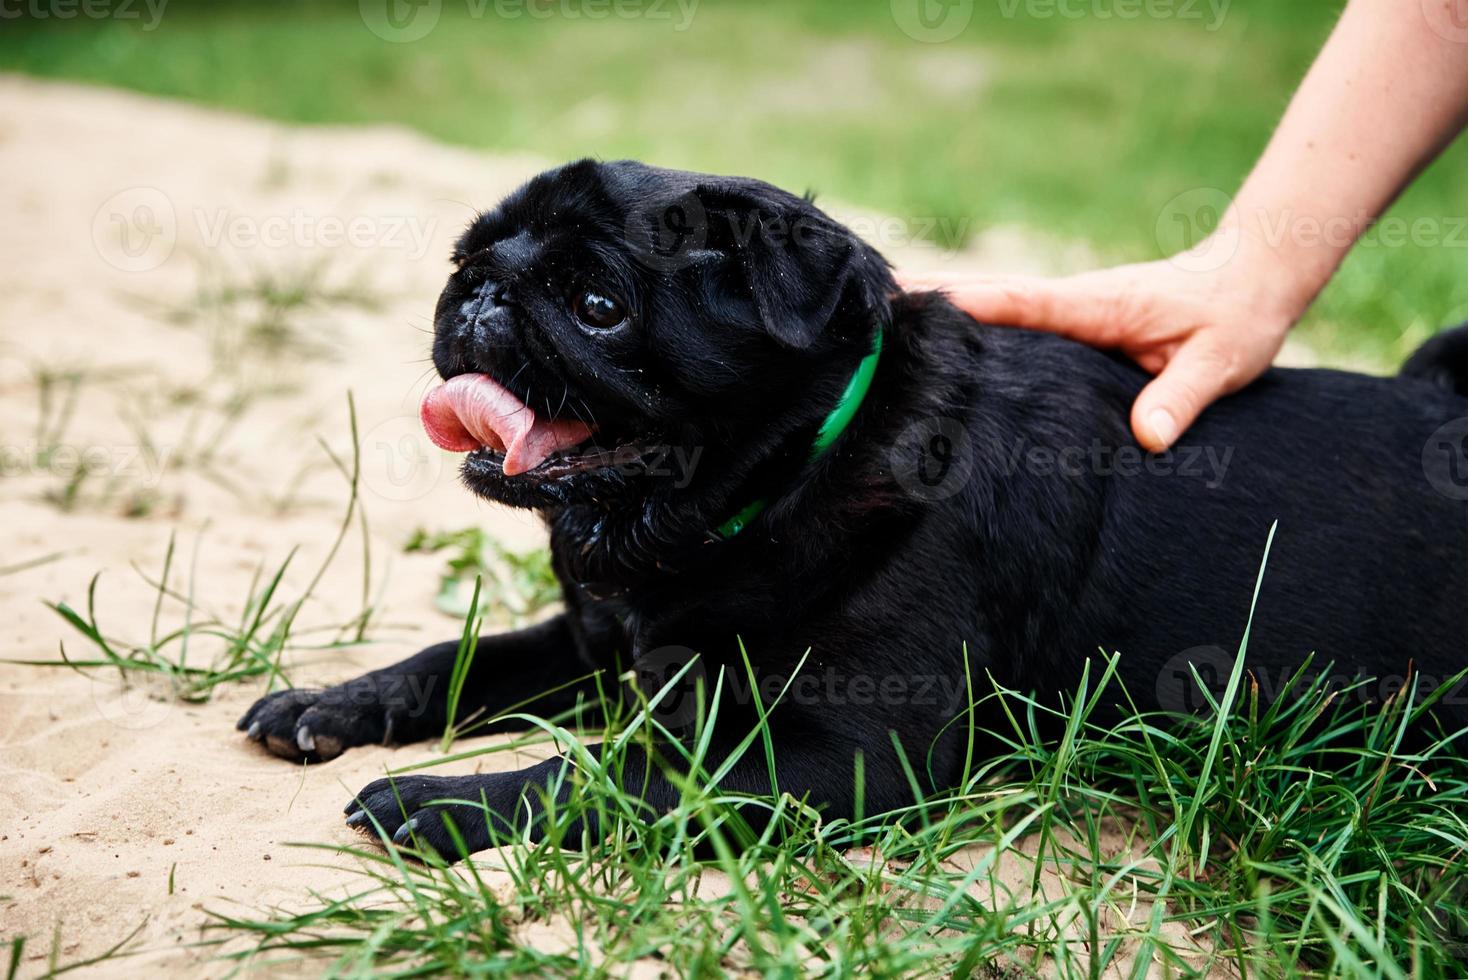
pixel 1386 94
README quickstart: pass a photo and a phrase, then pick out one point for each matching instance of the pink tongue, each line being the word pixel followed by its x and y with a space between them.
pixel 472 410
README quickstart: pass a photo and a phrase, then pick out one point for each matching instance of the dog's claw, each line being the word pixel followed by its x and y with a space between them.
pixel 254 731
pixel 405 831
pixel 304 740
pixel 358 819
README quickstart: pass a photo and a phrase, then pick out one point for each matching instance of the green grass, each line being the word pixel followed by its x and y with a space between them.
pixel 260 326
pixel 1240 838
pixel 1080 129
pixel 254 314
pixel 463 661
pixel 253 645
pixel 520 584
pixel 1308 835
pixel 1298 836
pixel 1295 837
pixel 55 967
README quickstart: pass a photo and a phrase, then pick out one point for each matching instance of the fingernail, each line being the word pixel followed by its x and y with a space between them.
pixel 1164 427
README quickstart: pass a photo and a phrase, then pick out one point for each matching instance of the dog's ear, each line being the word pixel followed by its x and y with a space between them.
pixel 806 274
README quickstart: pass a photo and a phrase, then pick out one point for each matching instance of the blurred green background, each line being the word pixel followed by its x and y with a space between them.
pixel 1069 120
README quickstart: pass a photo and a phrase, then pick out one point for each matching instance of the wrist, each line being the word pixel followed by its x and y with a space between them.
pixel 1276 278
pixel 1283 258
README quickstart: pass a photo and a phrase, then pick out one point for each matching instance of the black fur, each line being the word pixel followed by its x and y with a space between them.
pixel 1442 361
pixel 988 497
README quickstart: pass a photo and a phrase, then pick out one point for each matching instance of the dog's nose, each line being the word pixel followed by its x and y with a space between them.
pixel 487 315
pixel 500 293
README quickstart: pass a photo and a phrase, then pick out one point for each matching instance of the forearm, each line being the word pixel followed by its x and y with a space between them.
pixel 1384 97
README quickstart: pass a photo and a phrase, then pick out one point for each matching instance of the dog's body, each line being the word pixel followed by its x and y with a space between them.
pixel 986 500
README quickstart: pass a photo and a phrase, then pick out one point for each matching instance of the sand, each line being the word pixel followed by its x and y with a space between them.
pixel 124 215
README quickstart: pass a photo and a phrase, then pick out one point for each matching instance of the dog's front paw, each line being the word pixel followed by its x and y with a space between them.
pixel 411 810
pixel 315 725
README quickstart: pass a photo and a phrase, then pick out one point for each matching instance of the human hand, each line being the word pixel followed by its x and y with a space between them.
pixel 1204 334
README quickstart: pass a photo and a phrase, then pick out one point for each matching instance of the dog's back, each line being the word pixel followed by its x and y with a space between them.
pixel 1369 568
pixel 1157 557
pixel 1442 361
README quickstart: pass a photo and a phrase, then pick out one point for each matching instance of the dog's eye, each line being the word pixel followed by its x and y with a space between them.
pixel 598 310
pixel 462 259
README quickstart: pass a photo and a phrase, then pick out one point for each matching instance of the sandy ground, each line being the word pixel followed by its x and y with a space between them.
pixel 125 217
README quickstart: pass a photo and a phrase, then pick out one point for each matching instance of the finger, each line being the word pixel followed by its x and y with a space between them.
pixel 914 282
pixel 1082 308
pixel 1195 378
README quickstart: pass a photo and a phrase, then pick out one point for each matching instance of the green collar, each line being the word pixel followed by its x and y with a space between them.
pixel 829 432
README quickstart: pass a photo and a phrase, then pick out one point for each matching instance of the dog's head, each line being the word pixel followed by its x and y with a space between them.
pixel 621 337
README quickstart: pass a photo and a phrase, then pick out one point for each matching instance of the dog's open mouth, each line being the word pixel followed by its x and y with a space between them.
pixel 474 414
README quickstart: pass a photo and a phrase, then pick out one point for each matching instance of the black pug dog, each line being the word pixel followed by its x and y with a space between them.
pixel 744 437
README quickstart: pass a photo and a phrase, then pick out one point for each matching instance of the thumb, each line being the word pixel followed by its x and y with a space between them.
pixel 1196 377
